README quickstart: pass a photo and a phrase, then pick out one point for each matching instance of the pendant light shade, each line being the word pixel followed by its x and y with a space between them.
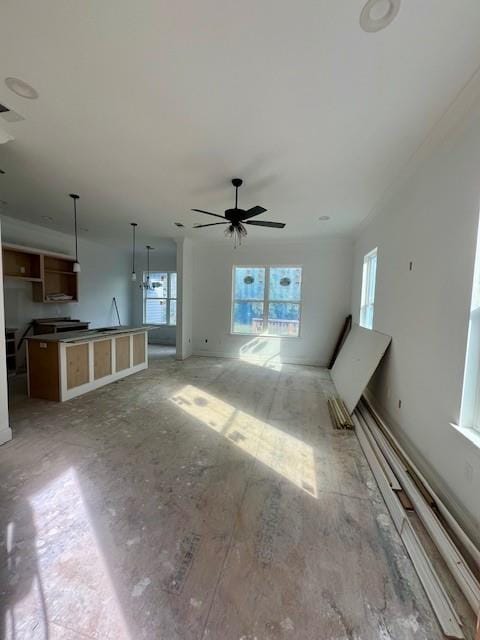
pixel 76 264
pixel 134 225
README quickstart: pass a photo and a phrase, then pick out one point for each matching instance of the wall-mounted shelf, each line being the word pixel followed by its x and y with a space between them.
pixel 50 273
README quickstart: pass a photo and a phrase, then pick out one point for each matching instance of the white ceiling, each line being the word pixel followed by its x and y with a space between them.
pixel 148 108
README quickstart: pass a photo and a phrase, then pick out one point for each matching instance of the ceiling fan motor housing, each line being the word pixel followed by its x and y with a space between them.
pixel 234 215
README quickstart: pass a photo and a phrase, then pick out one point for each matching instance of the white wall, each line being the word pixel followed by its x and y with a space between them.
pixel 105 274
pixel 430 219
pixel 185 270
pixel 5 431
pixel 326 290
pixel 163 258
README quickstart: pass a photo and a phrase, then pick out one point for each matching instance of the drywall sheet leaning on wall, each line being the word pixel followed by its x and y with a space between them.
pixel 356 363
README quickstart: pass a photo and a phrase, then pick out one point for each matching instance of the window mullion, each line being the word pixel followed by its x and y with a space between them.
pixel 266 299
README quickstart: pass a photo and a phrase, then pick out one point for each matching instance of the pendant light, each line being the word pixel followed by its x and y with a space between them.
pixel 134 225
pixel 146 284
pixel 76 264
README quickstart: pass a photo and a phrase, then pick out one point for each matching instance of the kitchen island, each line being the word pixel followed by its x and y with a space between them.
pixel 61 366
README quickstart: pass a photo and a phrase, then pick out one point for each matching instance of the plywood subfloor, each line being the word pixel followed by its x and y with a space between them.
pixel 204 500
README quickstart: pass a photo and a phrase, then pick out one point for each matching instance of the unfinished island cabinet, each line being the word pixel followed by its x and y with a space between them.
pixel 61 368
pixel 51 274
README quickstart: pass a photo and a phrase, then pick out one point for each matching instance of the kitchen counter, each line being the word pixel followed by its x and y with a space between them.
pixel 88 334
pixel 64 365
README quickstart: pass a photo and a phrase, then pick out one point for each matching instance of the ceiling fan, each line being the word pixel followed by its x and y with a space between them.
pixel 236 218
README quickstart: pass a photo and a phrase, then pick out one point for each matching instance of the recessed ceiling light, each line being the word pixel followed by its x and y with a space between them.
pixel 179 224
pixel 324 218
pixel 378 14
pixel 21 88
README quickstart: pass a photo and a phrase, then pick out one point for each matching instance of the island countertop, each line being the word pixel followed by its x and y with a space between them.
pixel 90 334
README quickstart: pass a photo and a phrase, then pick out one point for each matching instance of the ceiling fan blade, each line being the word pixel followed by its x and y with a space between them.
pixel 213 224
pixel 259 223
pixel 254 211
pixel 209 213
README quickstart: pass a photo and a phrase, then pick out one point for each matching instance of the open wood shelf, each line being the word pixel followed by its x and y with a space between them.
pixel 49 273
pixel 24 278
pixel 66 273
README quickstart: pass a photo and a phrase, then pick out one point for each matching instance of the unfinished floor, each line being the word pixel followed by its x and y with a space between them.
pixel 208 499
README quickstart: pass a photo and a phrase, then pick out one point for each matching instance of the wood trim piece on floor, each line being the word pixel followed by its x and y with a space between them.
pixel 454 560
pixel 451 521
pixel 441 603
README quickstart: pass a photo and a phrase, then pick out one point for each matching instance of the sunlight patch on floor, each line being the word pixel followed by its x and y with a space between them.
pixel 262 352
pixel 290 457
pixel 58 578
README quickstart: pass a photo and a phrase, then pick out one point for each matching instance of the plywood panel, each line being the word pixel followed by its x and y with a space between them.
pixel 102 358
pixel 43 370
pixel 77 365
pixel 122 353
pixel 138 348
pixel 356 363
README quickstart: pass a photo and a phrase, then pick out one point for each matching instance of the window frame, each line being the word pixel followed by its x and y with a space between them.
pixel 266 300
pixel 470 402
pixel 365 292
pixel 168 299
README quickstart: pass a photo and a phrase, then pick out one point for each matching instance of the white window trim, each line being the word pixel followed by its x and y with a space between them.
pixel 469 423
pixel 168 299
pixel 266 301
pixel 366 283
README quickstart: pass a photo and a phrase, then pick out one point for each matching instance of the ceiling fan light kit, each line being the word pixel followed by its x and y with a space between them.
pixel 237 218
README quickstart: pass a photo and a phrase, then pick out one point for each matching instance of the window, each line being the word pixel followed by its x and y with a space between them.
pixel 160 297
pixel 368 289
pixel 267 301
pixel 470 412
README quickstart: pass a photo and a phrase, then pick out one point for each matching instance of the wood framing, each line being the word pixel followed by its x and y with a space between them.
pixel 102 358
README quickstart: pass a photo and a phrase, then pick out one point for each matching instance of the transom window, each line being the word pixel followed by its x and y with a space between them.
pixel 267 301
pixel 160 297
pixel 367 305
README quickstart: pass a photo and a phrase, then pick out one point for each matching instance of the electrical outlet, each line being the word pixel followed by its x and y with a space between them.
pixel 22 269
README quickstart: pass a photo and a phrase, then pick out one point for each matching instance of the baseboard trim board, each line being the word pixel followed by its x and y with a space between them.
pixel 288 360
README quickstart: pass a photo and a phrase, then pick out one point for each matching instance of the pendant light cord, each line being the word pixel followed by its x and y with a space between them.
pixel 75 197
pixel 134 225
pixel 76 234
